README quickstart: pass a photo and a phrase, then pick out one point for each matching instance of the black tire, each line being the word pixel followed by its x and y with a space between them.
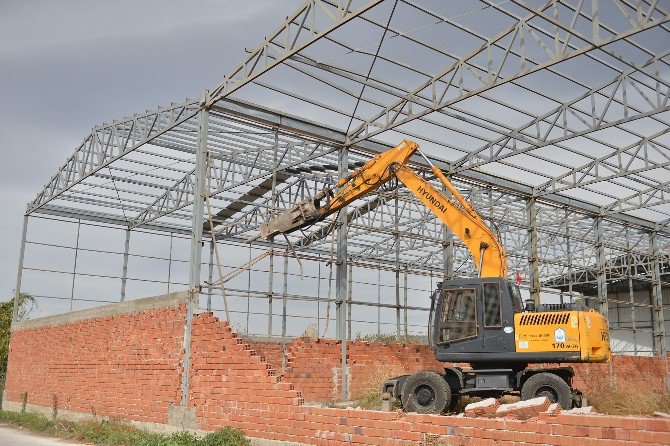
pixel 550 385
pixel 426 392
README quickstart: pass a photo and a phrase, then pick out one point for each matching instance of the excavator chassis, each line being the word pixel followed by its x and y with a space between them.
pixel 555 383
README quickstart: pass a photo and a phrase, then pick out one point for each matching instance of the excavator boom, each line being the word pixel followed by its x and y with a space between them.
pixel 457 214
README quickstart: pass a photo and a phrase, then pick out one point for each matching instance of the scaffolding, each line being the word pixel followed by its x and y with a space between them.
pixel 551 117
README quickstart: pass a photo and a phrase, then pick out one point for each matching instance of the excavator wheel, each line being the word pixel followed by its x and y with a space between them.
pixel 550 385
pixel 426 392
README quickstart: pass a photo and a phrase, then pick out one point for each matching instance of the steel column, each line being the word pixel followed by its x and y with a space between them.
pixel 341 284
pixel 124 276
pixel 19 272
pixel 273 204
pixel 533 260
pixel 210 275
pixel 601 264
pixel 196 241
pixel 283 313
pixel 74 268
pixel 396 236
pixel 657 295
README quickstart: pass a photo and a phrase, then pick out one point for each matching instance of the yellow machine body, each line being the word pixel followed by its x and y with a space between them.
pixel 582 335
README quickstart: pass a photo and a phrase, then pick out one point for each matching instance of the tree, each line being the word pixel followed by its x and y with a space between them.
pixel 26 305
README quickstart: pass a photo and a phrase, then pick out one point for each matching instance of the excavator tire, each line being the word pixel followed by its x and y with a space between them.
pixel 550 385
pixel 426 392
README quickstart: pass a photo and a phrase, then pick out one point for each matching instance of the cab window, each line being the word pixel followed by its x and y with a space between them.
pixel 458 315
pixel 517 302
pixel 492 315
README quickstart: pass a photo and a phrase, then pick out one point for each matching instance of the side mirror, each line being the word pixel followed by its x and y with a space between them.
pixel 530 306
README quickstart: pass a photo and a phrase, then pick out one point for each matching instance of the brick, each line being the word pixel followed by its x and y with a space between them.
pixel 484 407
pixel 523 409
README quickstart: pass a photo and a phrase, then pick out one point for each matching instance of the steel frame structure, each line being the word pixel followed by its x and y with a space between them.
pixel 552 117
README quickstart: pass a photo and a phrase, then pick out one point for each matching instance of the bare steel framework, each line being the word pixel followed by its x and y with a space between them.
pixel 550 116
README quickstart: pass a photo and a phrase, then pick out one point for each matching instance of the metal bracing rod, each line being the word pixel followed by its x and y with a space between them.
pixel 258 62
pixel 124 276
pixel 199 188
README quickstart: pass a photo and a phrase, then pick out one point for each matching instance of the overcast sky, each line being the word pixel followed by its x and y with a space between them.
pixel 66 66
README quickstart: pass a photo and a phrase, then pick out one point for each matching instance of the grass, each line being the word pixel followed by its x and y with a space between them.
pixel 631 397
pixel 368 382
pixel 115 433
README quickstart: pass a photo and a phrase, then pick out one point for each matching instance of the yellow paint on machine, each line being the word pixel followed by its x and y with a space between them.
pixel 583 333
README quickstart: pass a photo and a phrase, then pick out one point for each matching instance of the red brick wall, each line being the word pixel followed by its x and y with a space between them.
pixel 128 366
pixel 313 366
pixel 647 372
pixel 124 366
pixel 230 383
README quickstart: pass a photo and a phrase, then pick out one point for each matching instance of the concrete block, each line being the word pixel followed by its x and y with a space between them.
pixel 181 416
pixel 481 408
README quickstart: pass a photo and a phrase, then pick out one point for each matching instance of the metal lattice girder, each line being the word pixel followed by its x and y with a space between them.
pixel 231 169
pixel 447 87
pixel 109 142
pixel 315 19
pixel 552 127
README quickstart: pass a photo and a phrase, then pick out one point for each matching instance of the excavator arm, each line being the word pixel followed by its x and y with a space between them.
pixel 458 215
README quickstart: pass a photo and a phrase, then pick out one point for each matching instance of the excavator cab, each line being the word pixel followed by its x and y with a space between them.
pixel 483 320
pixel 472 316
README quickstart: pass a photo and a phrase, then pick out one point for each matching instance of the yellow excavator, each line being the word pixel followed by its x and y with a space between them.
pixel 478 321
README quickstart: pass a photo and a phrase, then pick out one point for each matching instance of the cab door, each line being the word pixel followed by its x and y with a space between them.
pixel 497 323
